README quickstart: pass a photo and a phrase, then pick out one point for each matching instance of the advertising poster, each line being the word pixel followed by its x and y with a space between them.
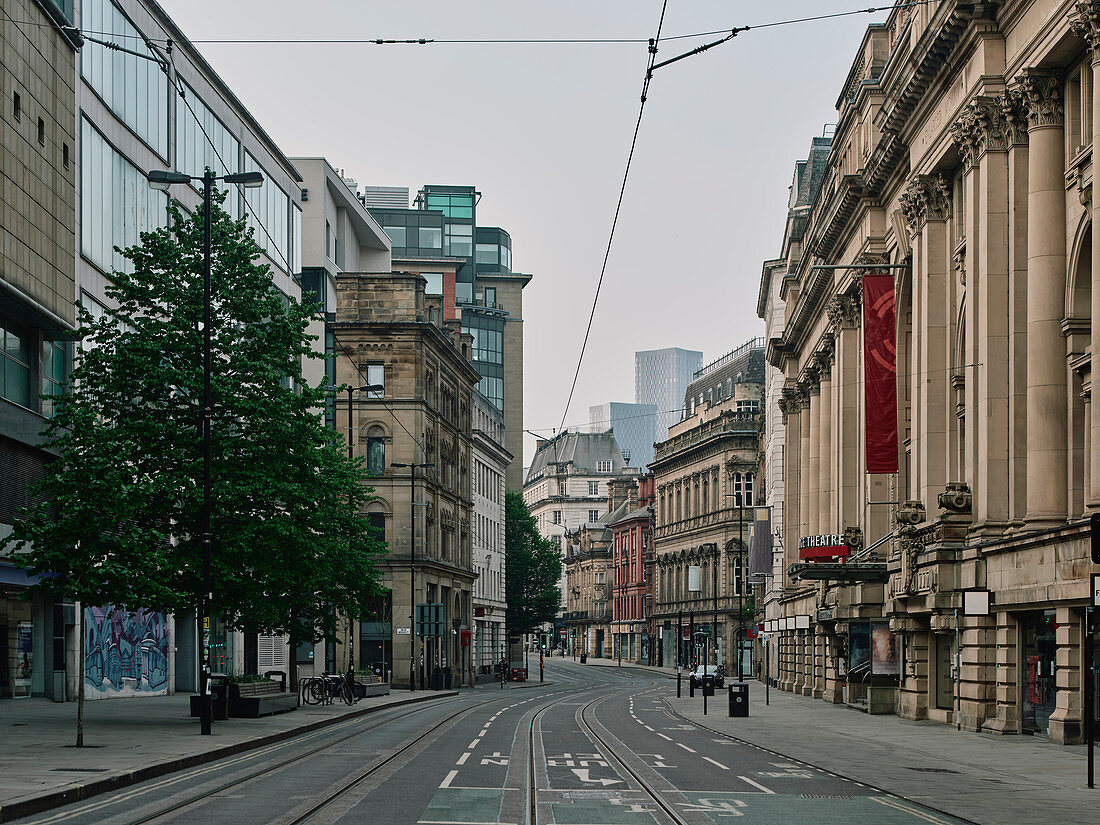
pixel 859 647
pixel 24 658
pixel 884 651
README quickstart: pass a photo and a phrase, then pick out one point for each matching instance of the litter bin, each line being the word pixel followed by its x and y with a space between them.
pixel 739 699
pixel 584 658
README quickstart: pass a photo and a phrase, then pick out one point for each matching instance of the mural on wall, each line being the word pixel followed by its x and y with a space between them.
pixel 125 654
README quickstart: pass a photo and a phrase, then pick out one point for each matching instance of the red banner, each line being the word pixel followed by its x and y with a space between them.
pixel 880 369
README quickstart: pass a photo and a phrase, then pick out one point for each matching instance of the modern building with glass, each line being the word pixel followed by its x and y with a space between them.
pixel 156 104
pixel 634 426
pixel 479 287
pixel 661 377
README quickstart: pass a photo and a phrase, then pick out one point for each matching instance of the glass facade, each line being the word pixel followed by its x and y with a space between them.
pixel 53 373
pixel 493 252
pixel 269 216
pixel 117 203
pixel 452 204
pixel 133 87
pixel 15 361
pixel 195 152
pixel 488 352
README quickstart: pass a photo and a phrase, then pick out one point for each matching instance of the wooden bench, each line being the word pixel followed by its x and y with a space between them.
pixel 251 700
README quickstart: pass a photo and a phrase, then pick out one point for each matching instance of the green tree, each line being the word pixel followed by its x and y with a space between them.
pixel 117 519
pixel 532 568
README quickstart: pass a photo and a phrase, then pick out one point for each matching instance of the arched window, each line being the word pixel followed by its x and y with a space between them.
pixel 376 451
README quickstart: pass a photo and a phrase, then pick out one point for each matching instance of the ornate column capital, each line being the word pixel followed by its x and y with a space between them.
pixel 1084 21
pixel 843 312
pixel 1014 107
pixel 1041 93
pixel 926 198
pixel 965 134
pixel 990 124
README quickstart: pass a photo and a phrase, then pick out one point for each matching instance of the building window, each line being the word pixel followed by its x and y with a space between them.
pixel 593 488
pixel 65 155
pixel 377 524
pixel 430 237
pixel 15 362
pixel 562 488
pixel 603 466
pixel 376 456
pixel 593 515
pixel 459 240
pixel 742 489
pixel 53 374
pixel 376 377
pixel 557 517
pixel 17 106
pixel 396 233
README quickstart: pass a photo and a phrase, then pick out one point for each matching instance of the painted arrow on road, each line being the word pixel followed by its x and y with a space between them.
pixel 582 775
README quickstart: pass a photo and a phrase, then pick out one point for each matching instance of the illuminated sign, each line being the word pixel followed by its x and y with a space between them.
pixel 829 546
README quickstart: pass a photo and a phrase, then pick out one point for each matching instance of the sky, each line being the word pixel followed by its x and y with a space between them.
pixel 544 131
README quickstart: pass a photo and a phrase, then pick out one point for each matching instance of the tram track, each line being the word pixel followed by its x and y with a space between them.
pixel 251 776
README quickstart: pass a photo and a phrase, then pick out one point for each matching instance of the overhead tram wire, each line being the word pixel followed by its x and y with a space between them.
pixel 503 41
pixel 618 207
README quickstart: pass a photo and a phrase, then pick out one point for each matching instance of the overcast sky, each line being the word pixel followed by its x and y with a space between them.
pixel 543 132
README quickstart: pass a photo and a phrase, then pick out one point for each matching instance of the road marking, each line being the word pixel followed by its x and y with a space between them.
pixel 462 759
pixel 756 784
pixel 669 738
pixel 891 803
pixel 685 747
pixel 715 762
pixel 582 775
pixel 647 727
pixel 446 783
pixel 473 744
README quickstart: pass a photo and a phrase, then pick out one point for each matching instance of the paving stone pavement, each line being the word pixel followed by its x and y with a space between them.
pixel 134 739
pixel 988 779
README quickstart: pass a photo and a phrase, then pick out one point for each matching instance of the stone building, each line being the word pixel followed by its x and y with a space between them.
pixel 962 167
pixel 490 465
pixel 416 436
pixel 38 57
pixel 588 590
pixel 632 570
pixel 567 483
pixel 704 477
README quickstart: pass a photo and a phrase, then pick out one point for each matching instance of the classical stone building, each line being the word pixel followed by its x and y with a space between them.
pixel 490 465
pixel 588 589
pixel 416 434
pixel 962 166
pixel 704 476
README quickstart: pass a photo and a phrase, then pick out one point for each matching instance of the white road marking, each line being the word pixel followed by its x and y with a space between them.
pixel 446 783
pixel 647 727
pixel 669 738
pixel 462 759
pixel 715 762
pixel 755 784
pixel 473 744
pixel 685 747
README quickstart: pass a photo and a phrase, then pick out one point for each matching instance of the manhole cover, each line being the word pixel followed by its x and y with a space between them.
pixel 931 770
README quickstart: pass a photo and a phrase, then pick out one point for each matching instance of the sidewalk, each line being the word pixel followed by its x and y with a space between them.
pixel 131 740
pixel 992 780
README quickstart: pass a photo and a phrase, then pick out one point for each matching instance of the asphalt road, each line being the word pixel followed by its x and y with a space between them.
pixel 593 746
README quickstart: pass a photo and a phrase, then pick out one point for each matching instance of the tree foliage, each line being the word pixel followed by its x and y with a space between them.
pixel 118 519
pixel 532 569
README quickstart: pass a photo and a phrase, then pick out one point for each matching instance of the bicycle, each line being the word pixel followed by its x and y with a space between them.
pixel 327 688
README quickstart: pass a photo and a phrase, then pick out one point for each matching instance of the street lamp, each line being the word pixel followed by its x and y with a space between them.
pixel 161 180
pixel 412 564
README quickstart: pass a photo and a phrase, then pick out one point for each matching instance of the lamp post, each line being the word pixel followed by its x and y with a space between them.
pixel 161 180
pixel 412 566
pixel 740 581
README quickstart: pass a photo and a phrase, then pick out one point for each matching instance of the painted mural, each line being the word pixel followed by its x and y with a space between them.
pixel 125 654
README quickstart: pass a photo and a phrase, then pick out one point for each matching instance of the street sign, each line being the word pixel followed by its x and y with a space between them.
pixel 404 631
pixel 1096 589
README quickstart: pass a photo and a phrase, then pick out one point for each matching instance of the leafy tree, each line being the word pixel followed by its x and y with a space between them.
pixel 118 519
pixel 532 569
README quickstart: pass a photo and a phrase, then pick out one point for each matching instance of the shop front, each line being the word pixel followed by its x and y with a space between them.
pixel 1039 659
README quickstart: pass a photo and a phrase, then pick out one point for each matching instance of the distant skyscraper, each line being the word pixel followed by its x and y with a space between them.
pixel 634 425
pixel 661 377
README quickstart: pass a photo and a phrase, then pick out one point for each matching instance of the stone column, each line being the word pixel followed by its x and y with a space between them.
pixel 826 520
pixel 1007 713
pixel 844 315
pixel 984 133
pixel 1046 296
pixel 1085 22
pixel 927 207
pixel 811 517
pixel 805 450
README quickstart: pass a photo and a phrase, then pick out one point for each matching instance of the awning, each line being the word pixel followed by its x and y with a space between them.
pixel 760 545
pixel 17 576
pixel 824 571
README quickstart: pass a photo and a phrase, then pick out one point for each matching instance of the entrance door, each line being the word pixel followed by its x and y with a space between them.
pixel 1040 652
pixel 945 685
pixel 599 645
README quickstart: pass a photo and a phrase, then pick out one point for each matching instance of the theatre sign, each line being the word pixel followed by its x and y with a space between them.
pixel 828 546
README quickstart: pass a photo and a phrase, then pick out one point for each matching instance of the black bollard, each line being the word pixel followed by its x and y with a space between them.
pixel 679 679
